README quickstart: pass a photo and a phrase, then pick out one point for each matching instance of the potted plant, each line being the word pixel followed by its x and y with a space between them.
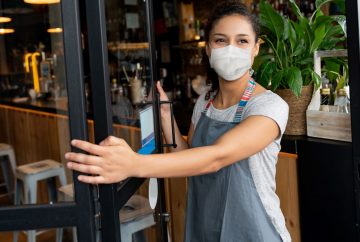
pixel 286 63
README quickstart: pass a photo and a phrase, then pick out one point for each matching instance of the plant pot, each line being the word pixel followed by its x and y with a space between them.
pixel 296 124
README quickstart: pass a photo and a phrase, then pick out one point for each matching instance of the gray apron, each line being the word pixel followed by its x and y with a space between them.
pixel 224 206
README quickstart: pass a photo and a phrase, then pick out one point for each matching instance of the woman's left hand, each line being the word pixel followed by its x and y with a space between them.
pixel 109 162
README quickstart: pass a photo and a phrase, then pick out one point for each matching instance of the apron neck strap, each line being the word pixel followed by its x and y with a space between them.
pixel 243 101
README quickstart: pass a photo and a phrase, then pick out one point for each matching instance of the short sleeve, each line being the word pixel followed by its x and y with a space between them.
pixel 199 107
pixel 270 105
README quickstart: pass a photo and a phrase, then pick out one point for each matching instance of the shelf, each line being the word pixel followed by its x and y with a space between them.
pixel 115 46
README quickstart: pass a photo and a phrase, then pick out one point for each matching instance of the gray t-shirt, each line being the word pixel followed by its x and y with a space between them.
pixel 262 164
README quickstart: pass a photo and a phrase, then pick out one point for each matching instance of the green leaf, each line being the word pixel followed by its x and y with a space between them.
pixel 318 38
pixel 295 80
pixel 296 10
pixel 322 21
pixel 271 19
pixel 316 79
pixel 305 61
pixel 292 36
pixel 265 74
pixel 299 49
pixel 277 80
pixel 341 20
pixel 319 3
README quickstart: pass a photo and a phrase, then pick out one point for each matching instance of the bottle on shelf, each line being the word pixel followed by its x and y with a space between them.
pixel 114 90
pixel 341 101
pixel 325 99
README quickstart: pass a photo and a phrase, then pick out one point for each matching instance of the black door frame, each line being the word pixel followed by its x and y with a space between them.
pixel 353 41
pixel 80 213
pixel 114 196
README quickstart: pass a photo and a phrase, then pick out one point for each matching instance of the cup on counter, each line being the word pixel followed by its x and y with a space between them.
pixel 32 94
pixel 135 86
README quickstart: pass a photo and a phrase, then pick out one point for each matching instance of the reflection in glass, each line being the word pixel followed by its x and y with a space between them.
pixel 130 79
pixel 34 130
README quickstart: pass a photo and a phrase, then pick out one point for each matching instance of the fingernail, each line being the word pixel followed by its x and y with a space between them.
pixel 73 142
pixel 69 165
pixel 67 156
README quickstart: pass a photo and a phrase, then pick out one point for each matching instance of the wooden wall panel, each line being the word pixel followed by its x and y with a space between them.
pixel 176 196
pixel 63 136
pixel 4 129
pixel 39 143
pixel 287 190
pixel 19 135
pixel 54 138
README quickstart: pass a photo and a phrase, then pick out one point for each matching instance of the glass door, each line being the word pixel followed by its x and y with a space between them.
pixel 121 83
pixel 42 107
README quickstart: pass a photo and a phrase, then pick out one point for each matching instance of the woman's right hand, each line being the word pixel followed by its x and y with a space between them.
pixel 165 108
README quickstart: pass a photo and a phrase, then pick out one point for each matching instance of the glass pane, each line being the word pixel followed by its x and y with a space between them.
pixel 130 79
pixel 34 130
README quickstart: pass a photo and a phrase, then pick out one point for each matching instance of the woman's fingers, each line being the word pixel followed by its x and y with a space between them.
pixel 92 179
pixel 163 95
pixel 88 147
pixel 88 169
pixel 111 141
pixel 83 158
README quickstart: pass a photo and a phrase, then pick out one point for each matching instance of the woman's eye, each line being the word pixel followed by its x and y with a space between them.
pixel 219 41
pixel 243 41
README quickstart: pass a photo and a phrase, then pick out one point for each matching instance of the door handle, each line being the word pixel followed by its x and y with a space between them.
pixel 173 144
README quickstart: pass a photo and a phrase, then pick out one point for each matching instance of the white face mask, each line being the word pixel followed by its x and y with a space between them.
pixel 230 62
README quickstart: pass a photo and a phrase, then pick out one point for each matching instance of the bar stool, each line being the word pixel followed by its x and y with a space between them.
pixel 7 157
pixel 135 216
pixel 26 179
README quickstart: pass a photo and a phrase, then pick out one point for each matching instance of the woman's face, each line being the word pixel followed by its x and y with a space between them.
pixel 233 30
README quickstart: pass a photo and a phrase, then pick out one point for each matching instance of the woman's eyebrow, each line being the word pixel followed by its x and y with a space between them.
pixel 242 35
pixel 238 35
pixel 220 34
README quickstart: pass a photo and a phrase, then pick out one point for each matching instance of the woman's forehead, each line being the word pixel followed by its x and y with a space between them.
pixel 233 25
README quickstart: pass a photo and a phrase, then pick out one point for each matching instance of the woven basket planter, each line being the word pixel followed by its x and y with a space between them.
pixel 297 109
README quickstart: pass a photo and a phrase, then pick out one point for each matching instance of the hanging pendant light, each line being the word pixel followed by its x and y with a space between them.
pixel 41 1
pixel 54 30
pixel 6 31
pixel 5 19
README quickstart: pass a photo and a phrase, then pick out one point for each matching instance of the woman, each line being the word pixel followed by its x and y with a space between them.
pixel 232 148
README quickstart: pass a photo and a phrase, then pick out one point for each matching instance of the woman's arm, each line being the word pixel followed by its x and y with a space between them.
pixel 166 124
pixel 115 161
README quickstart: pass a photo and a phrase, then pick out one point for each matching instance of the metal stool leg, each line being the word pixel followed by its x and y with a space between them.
pixel 51 185
pixel 6 175
pixel 19 196
pixel 59 234
pixel 30 197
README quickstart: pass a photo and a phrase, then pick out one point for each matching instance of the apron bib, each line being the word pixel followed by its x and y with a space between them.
pixel 224 206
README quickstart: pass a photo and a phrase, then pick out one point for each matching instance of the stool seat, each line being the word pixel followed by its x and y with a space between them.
pixel 26 179
pixel 38 167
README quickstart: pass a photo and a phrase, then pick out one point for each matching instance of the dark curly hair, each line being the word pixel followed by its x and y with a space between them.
pixel 222 9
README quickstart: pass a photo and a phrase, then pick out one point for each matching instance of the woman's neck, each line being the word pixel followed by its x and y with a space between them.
pixel 230 92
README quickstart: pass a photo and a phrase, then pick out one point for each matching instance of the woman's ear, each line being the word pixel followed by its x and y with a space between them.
pixel 256 48
pixel 207 50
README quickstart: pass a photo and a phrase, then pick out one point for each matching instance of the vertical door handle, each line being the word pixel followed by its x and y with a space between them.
pixel 173 144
